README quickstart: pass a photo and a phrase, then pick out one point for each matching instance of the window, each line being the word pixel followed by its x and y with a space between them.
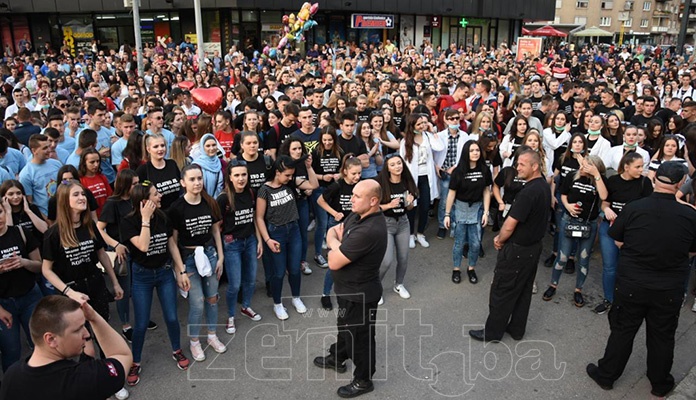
pixel 559 3
pixel 581 4
pixel 628 6
pixel 628 22
pixel 643 23
pixel 557 20
pixel 580 20
pixel 605 21
pixel 607 5
pixel 646 5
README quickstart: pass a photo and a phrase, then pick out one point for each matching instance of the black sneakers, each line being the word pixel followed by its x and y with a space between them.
pixel 603 307
pixel 570 266
pixel 549 293
pixel 578 300
pixel 441 233
pixel 326 303
pixel 128 334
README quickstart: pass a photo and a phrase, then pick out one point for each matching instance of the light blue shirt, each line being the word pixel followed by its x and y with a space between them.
pixel 14 161
pixel 39 181
pixel 73 159
pixel 117 151
pixel 5 174
pixel 68 144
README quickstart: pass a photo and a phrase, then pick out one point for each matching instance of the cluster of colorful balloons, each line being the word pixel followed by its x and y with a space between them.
pixel 294 27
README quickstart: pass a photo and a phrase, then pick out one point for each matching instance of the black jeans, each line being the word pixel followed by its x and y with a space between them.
pixel 511 290
pixel 356 337
pixel 421 210
pixel 660 310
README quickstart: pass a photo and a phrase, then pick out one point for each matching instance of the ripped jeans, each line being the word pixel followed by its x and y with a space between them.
pixel 582 257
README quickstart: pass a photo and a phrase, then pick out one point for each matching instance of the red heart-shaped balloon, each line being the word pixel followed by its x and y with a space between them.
pixel 208 99
pixel 186 85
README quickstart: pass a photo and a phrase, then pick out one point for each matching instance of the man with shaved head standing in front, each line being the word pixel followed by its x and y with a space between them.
pixel 357 248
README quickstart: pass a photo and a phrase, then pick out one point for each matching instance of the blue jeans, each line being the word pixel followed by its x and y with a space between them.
pixel 566 245
pixel 421 210
pixel 203 295
pixel 303 212
pixel 468 230
pixel 328 279
pixel 240 265
pixel 610 259
pixel 123 305
pixel 144 280
pixel 21 309
pixel 288 259
pixel 444 190
pixel 321 217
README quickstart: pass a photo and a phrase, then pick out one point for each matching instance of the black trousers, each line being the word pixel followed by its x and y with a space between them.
pixel 356 337
pixel 511 290
pixel 660 310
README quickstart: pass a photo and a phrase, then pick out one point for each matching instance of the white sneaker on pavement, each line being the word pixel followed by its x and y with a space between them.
pixel 421 241
pixel 197 351
pixel 280 312
pixel 230 328
pixel 216 344
pixel 299 305
pixel 412 242
pixel 401 290
pixel 122 394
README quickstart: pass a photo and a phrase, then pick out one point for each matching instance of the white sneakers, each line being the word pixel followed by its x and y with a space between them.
pixel 420 238
pixel 299 305
pixel 216 344
pixel 122 394
pixel 197 351
pixel 230 328
pixel 401 290
pixel 280 312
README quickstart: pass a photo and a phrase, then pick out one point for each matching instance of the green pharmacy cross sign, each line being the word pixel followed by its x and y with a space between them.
pixel 463 22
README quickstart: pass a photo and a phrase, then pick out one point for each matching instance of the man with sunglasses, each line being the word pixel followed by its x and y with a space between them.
pixel 155 123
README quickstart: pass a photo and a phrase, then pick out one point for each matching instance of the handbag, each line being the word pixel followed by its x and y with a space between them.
pixel 579 229
pixel 120 268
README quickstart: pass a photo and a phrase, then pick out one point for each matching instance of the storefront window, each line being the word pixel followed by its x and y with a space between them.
pixel 271 25
pixel 250 16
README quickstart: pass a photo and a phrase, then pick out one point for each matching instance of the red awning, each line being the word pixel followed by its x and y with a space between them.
pixel 548 30
pixel 525 31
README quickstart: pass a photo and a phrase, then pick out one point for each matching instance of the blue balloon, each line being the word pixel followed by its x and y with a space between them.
pixel 273 52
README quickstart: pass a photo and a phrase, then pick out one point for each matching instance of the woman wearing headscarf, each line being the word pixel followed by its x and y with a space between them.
pixel 213 178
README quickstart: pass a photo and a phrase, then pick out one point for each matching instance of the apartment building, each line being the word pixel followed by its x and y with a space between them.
pixel 644 21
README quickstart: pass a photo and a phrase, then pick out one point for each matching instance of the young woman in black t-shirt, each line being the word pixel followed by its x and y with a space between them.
pixel 326 162
pixel 565 167
pixel 335 201
pixel 19 263
pixel 147 232
pixel 256 162
pixel 276 219
pixel 71 249
pixel 196 232
pixel 163 174
pixel 20 212
pixel 242 246
pixel 305 182
pixel 470 190
pixel 399 192
pixel 581 196
pixel 627 186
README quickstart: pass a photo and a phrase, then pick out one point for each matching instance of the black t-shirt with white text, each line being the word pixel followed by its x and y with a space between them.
pixel 470 187
pixel 73 263
pixel 238 222
pixel 622 192
pixel 325 162
pixel 338 195
pixel 397 190
pixel 157 254
pixel 167 180
pixel 256 171
pixel 192 221
pixel 583 190
pixel 20 281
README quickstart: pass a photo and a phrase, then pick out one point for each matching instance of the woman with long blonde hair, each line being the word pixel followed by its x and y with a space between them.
pixel 72 248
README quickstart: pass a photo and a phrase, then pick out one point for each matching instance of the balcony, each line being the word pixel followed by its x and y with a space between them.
pixel 659 29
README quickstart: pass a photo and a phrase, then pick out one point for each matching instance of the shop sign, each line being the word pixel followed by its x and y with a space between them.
pixel 528 47
pixel 211 47
pixel 372 21
pixel 435 21
pixel 271 27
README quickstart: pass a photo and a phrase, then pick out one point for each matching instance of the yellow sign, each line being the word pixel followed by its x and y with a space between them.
pixel 192 36
pixel 69 39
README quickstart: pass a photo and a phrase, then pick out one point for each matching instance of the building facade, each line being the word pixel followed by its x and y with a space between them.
pixel 632 21
pixel 255 22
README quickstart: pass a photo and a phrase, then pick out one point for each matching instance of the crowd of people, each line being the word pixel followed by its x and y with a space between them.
pixel 110 174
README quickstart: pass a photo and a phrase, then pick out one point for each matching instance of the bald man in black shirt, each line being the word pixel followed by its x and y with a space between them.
pixel 519 243
pixel 656 235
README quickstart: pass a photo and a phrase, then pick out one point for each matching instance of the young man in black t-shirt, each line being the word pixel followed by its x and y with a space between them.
pixel 350 143
pixel 280 131
pixel 59 334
